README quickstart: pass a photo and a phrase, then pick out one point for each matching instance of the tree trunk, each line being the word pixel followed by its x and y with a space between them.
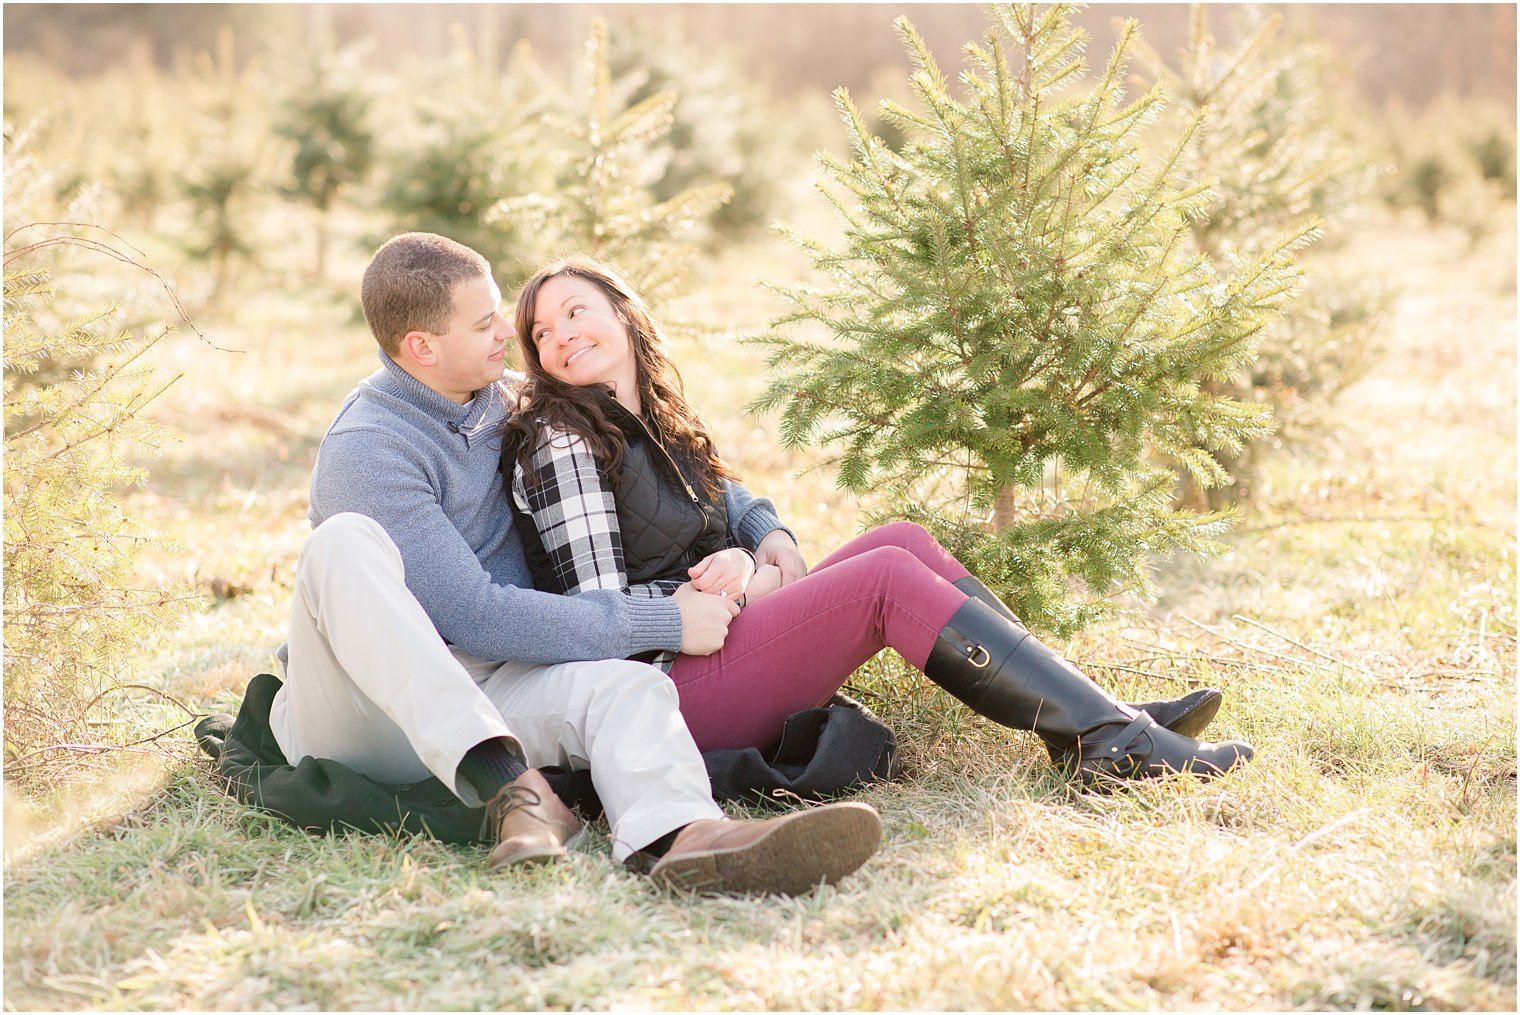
pixel 1003 510
pixel 321 273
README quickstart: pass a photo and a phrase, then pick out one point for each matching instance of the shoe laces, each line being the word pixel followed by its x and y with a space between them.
pixel 508 799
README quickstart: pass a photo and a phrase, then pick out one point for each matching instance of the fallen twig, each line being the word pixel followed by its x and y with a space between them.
pixel 1306 648
pixel 1095 664
pixel 87 750
pixel 1243 646
pixel 1318 833
pixel 164 733
pixel 21 763
pixel 99 246
pixel 1190 660
pixel 1262 650
pixel 144 687
pixel 1200 657
pixel 1289 523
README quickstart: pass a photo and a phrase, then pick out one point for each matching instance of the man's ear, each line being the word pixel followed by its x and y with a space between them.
pixel 417 346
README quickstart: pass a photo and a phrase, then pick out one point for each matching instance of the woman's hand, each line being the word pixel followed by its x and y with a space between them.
pixel 777 548
pixel 725 573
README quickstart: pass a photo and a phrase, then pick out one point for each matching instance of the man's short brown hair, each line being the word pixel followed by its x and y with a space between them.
pixel 409 285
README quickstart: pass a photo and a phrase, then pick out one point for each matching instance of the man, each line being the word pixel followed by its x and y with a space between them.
pixel 417 644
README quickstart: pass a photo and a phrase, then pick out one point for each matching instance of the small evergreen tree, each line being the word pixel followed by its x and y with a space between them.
pixel 143 162
pixel 724 127
pixel 1014 324
pixel 468 141
pixel 75 611
pixel 607 156
pixel 326 118
pixel 1454 160
pixel 230 165
pixel 76 381
pixel 1273 159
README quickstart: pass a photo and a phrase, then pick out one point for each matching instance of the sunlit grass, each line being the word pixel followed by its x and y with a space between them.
pixel 1362 625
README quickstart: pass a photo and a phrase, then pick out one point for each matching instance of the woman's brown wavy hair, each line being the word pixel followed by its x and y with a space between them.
pixel 541 401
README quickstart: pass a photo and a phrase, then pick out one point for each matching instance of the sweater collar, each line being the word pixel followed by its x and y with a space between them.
pixel 394 381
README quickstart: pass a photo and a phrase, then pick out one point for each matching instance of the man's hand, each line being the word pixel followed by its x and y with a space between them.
pixel 766 580
pixel 704 620
pixel 726 572
pixel 777 548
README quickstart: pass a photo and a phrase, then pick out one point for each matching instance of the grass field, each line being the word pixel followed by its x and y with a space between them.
pixel 1362 625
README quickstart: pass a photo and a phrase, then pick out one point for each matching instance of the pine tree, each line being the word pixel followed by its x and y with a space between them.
pixel 326 119
pixel 469 139
pixel 230 166
pixel 144 159
pixel 607 155
pixel 77 378
pixel 724 126
pixel 75 611
pixel 1014 325
pixel 1274 160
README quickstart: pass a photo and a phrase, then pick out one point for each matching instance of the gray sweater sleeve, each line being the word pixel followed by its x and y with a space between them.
pixel 469 609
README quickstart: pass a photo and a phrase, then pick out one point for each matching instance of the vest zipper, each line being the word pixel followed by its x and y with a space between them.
pixel 677 470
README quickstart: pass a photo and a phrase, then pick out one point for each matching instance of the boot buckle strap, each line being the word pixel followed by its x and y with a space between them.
pixel 1117 746
pixel 972 651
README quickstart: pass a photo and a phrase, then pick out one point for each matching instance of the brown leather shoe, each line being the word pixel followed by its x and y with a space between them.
pixel 788 855
pixel 532 825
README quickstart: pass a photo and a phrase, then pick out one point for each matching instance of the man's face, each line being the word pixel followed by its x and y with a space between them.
pixel 472 353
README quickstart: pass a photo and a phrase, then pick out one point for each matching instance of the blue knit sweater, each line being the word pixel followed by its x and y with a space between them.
pixel 426 469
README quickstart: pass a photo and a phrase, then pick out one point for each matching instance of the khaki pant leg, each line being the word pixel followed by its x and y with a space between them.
pixel 369 682
pixel 620 719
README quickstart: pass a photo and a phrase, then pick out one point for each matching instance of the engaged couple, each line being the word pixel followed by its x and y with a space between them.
pixel 559 569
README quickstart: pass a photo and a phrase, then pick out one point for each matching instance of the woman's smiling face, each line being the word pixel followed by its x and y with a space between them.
pixel 580 339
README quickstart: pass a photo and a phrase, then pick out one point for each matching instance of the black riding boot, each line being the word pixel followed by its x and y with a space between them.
pixel 1189 715
pixel 1012 678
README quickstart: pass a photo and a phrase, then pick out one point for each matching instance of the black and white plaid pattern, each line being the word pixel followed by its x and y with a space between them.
pixel 577 521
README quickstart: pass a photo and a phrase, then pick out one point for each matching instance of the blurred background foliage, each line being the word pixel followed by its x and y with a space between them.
pixel 267 140
pixel 1413 53
pixel 244 150
pixel 1275 148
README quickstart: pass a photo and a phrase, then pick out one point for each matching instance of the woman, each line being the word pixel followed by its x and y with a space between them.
pixel 617 485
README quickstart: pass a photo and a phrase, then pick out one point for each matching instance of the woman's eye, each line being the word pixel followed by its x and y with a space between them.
pixel 575 311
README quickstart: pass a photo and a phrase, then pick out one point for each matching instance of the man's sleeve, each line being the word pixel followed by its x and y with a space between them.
pixel 469 609
pixel 750 518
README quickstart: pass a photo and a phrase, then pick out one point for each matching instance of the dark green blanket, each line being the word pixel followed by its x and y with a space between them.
pixel 823 752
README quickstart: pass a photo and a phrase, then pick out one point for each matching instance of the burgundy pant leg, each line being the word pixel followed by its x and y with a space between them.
pixel 794 648
pixel 913 538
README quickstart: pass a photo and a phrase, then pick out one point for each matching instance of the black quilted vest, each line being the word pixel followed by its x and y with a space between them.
pixel 667 523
